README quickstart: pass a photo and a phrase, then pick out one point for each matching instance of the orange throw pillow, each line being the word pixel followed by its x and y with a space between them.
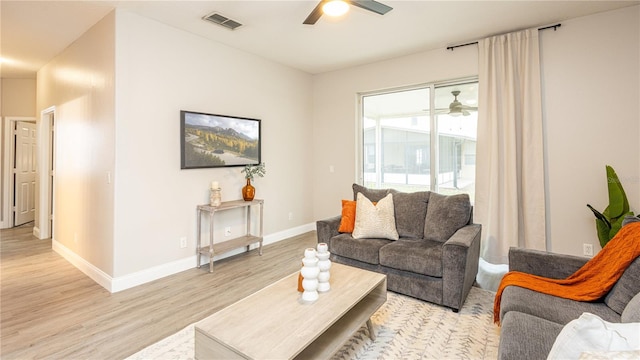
pixel 348 220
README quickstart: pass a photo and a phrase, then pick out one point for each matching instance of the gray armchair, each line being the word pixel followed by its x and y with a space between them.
pixel 531 321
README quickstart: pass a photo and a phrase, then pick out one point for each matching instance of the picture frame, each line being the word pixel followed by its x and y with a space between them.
pixel 212 140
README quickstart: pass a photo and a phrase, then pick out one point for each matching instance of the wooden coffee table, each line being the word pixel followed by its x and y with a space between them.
pixel 274 323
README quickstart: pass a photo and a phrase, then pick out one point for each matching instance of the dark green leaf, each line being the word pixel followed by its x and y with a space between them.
pixel 600 217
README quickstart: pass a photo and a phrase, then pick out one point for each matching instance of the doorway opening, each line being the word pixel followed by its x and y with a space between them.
pixel 43 228
pixel 19 171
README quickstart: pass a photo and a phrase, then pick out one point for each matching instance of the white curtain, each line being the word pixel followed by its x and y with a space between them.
pixel 510 193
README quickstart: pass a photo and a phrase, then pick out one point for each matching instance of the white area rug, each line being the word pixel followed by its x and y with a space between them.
pixel 406 328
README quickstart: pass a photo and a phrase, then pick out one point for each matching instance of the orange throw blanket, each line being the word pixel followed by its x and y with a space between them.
pixel 592 281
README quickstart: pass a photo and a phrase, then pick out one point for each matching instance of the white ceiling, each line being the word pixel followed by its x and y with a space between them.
pixel 33 32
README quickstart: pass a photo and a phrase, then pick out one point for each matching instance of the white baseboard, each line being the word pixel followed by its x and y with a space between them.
pixel 147 275
pixel 36 232
pixel 97 275
pixel 285 234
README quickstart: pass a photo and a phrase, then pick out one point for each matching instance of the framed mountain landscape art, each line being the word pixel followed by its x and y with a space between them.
pixel 210 140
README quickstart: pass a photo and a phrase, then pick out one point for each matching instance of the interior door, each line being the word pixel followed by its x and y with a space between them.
pixel 25 173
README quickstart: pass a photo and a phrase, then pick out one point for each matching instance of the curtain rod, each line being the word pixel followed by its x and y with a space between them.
pixel 554 27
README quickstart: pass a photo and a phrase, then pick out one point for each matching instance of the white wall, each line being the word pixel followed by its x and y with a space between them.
pixel 590 90
pixel 80 84
pixel 592 118
pixel 18 97
pixel 121 201
pixel 162 70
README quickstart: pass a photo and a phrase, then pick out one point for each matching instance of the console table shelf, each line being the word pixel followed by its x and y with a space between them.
pixel 224 246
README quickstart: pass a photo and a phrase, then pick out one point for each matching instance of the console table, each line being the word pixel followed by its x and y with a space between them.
pixel 228 245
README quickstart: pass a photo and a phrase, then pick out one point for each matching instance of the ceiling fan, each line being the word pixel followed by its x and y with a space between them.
pixel 456 108
pixel 371 5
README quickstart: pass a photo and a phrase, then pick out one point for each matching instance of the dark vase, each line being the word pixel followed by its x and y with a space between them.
pixel 248 191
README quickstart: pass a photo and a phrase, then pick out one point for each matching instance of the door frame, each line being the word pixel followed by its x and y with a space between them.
pixel 46 135
pixel 9 140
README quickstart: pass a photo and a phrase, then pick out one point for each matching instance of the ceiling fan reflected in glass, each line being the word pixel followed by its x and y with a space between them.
pixel 326 6
pixel 456 108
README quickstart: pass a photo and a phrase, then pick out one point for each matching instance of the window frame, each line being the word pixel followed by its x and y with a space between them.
pixel 433 125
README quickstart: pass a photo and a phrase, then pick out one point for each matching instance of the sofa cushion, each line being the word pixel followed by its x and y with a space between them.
pixel 415 255
pixel 626 288
pixel 371 194
pixel 375 221
pixel 523 336
pixel 445 215
pixel 411 210
pixel 631 312
pixel 552 308
pixel 365 250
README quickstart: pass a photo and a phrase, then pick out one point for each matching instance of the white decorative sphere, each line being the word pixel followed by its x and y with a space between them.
pixel 324 266
pixel 310 261
pixel 310 270
pixel 309 253
pixel 310 284
pixel 323 247
pixel 310 296
pixel 324 276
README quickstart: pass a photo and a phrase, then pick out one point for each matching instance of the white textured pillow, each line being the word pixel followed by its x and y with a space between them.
pixel 590 333
pixel 375 221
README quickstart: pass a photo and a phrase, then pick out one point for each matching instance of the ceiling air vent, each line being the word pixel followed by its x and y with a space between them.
pixel 222 20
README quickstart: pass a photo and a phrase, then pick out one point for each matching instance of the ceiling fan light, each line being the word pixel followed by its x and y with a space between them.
pixel 335 8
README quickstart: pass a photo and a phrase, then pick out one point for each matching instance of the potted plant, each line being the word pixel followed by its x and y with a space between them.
pixel 250 171
pixel 610 220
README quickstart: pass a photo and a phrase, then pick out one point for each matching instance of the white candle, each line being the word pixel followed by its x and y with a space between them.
pixel 214 185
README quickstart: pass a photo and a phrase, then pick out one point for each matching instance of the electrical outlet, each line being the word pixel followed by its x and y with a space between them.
pixel 183 242
pixel 587 249
pixel 227 231
pixel 290 216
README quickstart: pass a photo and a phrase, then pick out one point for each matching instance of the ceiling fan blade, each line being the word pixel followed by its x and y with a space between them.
pixel 315 14
pixel 371 5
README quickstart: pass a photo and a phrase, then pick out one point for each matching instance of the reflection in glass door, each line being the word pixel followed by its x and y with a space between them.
pixel 408 147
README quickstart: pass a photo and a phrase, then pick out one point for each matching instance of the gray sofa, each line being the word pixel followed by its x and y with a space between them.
pixel 436 257
pixel 531 321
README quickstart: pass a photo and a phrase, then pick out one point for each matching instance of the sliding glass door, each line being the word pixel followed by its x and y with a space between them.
pixel 420 138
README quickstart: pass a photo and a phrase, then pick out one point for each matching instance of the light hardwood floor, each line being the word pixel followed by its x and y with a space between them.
pixel 49 309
